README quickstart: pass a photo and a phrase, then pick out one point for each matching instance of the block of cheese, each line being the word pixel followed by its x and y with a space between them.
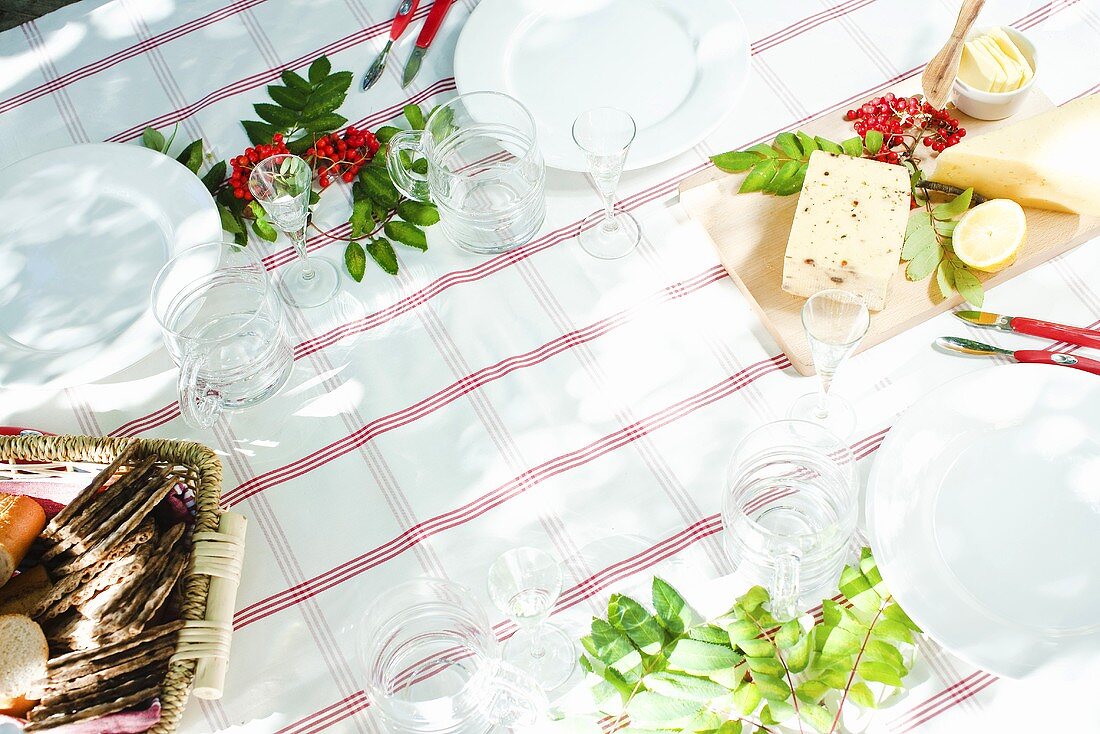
pixel 1036 162
pixel 848 228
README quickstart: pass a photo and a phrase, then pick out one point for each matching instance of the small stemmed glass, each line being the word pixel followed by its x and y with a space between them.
pixel 282 184
pixel 605 135
pixel 524 583
pixel 835 322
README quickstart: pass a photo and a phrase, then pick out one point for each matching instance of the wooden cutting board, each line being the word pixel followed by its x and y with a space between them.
pixel 750 232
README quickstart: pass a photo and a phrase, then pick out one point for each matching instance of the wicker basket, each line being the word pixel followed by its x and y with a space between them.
pixel 203 478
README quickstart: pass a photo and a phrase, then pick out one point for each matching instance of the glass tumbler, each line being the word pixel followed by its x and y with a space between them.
pixel 790 511
pixel 224 327
pixel 485 171
pixel 433 664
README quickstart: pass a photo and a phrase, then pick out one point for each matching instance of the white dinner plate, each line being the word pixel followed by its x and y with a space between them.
pixel 984 511
pixel 83 232
pixel 677 67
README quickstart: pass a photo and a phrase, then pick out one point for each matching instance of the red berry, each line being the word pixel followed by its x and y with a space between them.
pixel 348 177
pixel 961 132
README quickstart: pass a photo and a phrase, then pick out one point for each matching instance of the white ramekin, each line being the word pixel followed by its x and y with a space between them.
pixel 997 105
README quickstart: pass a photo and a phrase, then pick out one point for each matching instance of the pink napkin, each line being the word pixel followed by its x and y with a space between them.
pixel 124 722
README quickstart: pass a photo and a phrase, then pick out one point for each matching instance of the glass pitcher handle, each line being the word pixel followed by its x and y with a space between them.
pixel 785 587
pixel 412 184
pixel 200 403
pixel 516 699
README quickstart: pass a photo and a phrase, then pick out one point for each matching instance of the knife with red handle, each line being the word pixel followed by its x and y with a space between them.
pixel 424 40
pixel 1033 327
pixel 400 22
pixel 1031 356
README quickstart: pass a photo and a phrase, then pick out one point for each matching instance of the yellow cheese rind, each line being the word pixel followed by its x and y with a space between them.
pixel 1036 162
pixel 848 228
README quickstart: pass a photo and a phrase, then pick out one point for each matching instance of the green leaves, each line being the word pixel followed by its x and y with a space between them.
pixel 873 141
pixel 355 259
pixel 674 614
pixel 303 109
pixel 381 251
pixel 153 140
pixel 418 213
pixel 680 685
pixel 969 287
pixel 780 168
pixel 693 656
pixel 953 208
pixel 652 709
pixel 627 615
pixel 927 249
pixel 415 116
pixel 674 672
pixel 406 234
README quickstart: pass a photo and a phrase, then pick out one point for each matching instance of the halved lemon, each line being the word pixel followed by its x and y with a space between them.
pixel 989 236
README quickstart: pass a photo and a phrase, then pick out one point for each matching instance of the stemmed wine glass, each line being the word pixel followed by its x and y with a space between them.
pixel 281 183
pixel 524 583
pixel 835 322
pixel 605 135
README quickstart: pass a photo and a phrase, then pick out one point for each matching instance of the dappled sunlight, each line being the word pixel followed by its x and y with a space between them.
pixel 112 21
pixel 334 402
pixel 58 44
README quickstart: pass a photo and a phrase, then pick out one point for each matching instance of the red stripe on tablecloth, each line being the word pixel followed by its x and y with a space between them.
pixel 601 580
pixel 507 491
pixel 578 336
pixel 806 24
pixel 129 52
pixel 258 79
pixel 950 696
pixel 329 715
pixel 466 384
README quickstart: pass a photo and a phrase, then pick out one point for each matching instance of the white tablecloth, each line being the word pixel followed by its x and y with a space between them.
pixel 540 397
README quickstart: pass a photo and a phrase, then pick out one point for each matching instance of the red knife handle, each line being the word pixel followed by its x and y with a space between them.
pixel 432 24
pixel 403 18
pixel 1040 356
pixel 1058 332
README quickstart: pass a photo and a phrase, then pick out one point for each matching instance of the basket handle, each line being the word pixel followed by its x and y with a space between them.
pixel 200 401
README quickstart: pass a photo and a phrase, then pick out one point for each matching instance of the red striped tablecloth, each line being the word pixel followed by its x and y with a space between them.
pixel 539 397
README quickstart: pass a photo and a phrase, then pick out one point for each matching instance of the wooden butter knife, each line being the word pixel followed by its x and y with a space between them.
pixel 940 73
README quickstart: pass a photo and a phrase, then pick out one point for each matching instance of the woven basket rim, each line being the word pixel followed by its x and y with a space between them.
pixel 204 462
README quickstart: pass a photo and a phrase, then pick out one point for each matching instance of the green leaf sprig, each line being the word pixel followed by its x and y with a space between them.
pixel 379 208
pixel 927 248
pixel 780 168
pixel 304 108
pixel 674 671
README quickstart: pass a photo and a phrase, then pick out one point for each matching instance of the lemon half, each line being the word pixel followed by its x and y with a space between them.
pixel 989 236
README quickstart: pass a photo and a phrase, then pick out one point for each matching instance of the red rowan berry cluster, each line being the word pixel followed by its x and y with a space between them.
pixel 244 163
pixel 341 155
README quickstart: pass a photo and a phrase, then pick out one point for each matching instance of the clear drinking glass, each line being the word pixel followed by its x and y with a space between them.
pixel 790 511
pixel 282 184
pixel 433 664
pixel 835 322
pixel 524 583
pixel 224 327
pixel 605 135
pixel 485 171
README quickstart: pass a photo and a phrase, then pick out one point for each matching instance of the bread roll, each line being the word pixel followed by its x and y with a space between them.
pixel 22 663
pixel 24 591
pixel 21 520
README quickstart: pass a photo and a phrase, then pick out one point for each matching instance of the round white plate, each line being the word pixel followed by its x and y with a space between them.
pixel 83 232
pixel 677 67
pixel 984 511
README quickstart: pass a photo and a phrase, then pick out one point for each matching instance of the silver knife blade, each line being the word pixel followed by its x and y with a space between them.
pixel 968 346
pixel 376 67
pixel 412 66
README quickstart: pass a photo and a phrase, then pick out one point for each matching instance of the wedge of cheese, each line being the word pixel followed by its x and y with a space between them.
pixel 1038 162
pixel 848 228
